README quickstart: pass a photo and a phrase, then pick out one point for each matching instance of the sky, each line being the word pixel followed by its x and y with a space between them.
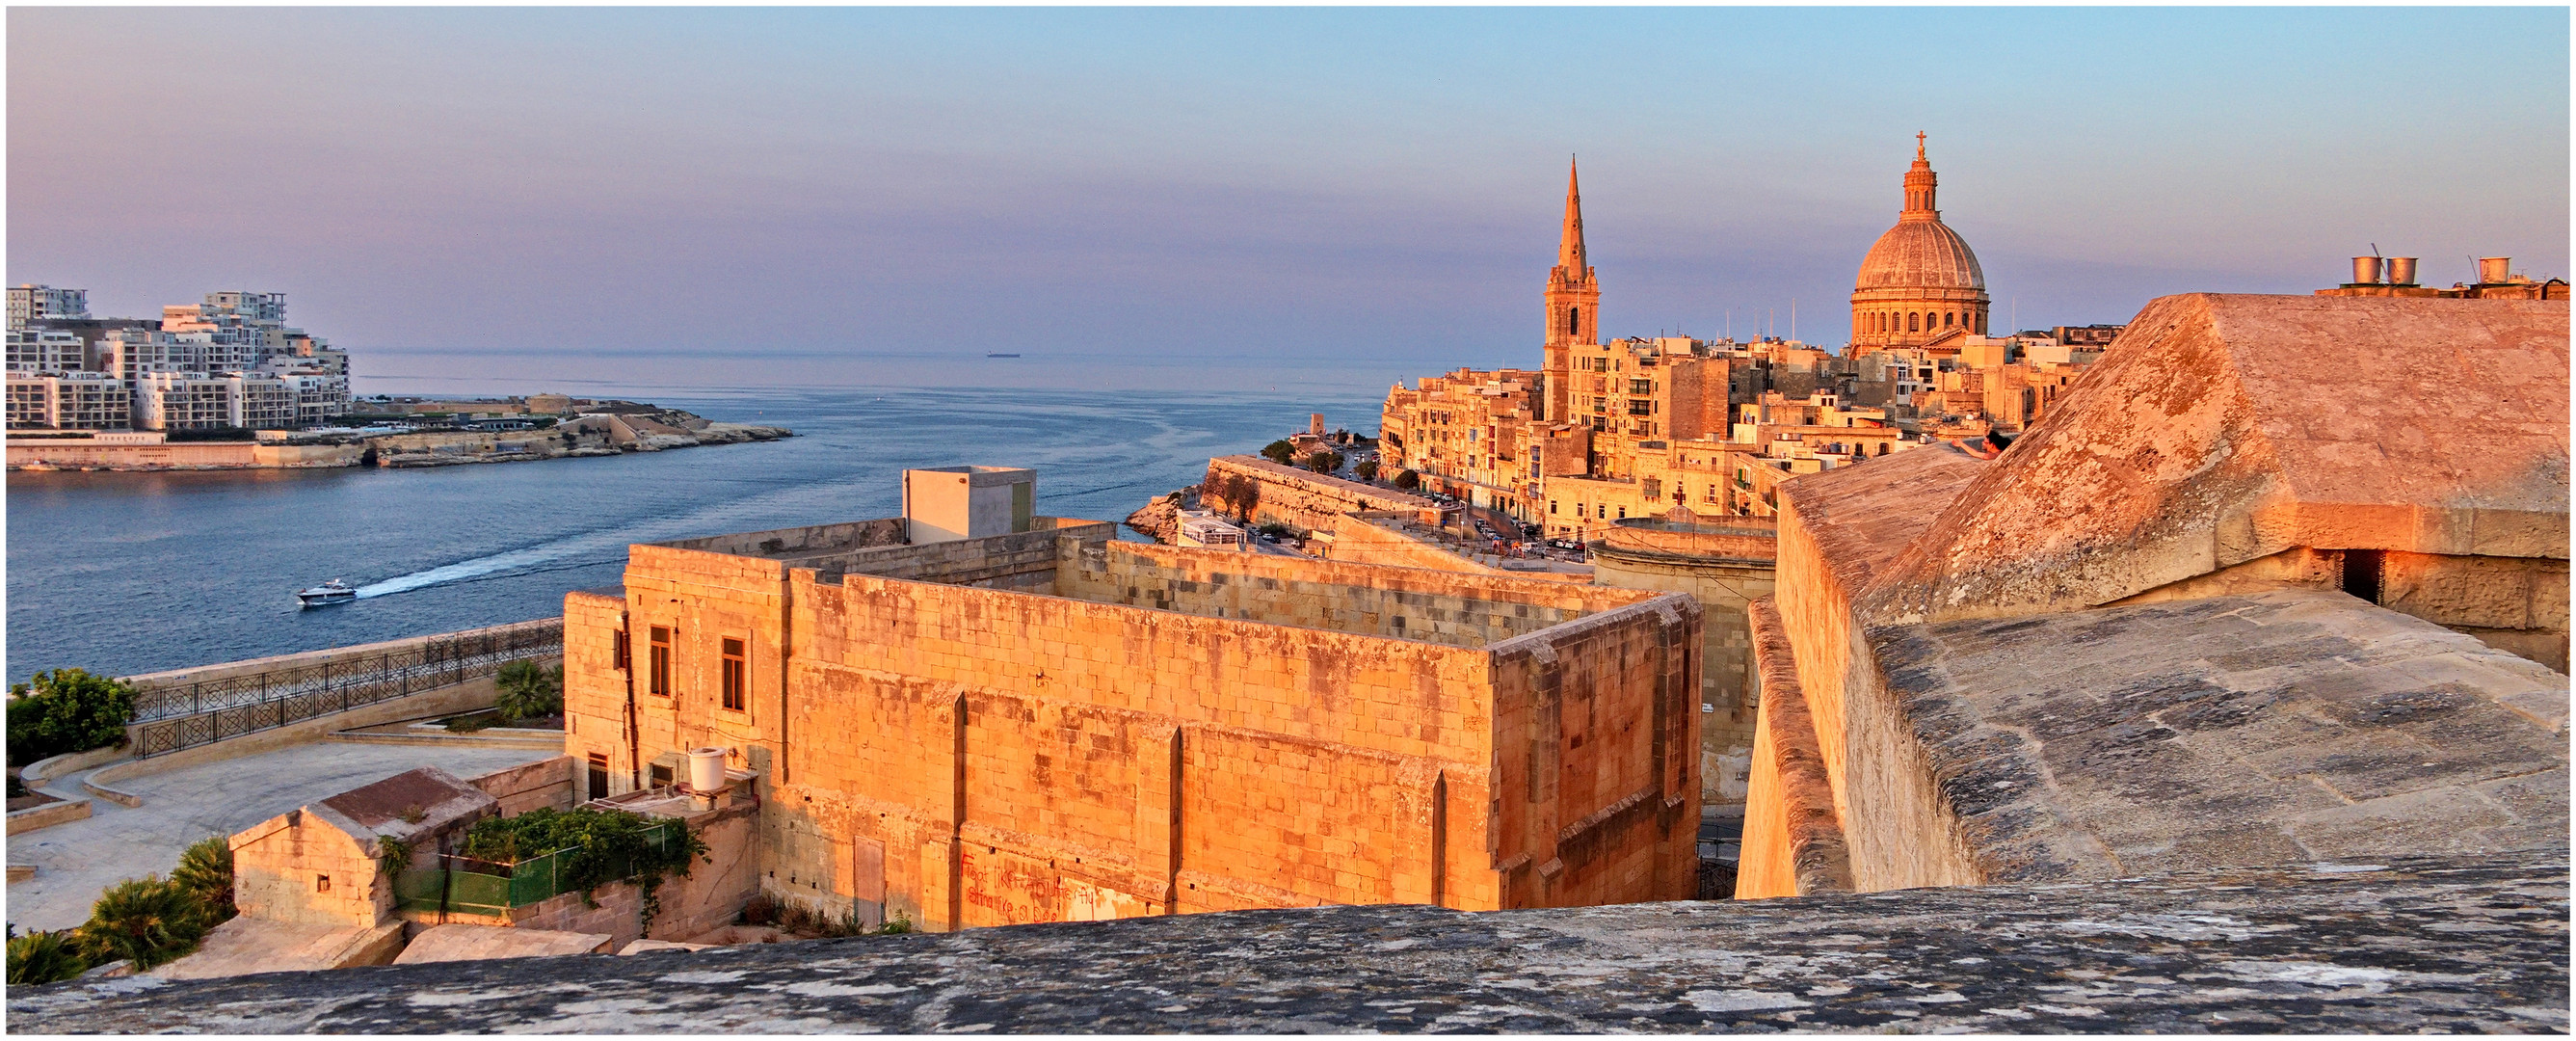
pixel 1209 198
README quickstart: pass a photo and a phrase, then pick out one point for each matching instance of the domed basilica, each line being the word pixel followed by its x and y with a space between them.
pixel 1920 285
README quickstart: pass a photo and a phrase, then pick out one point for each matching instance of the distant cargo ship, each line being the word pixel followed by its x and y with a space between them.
pixel 1001 356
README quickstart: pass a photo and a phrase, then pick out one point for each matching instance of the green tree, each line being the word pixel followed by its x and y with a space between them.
pixel 1408 480
pixel 146 920
pixel 206 870
pixel 66 710
pixel 1367 470
pixel 529 690
pixel 44 957
pixel 1278 451
pixel 1324 461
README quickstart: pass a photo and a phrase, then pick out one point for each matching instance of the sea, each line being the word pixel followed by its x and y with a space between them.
pixel 128 573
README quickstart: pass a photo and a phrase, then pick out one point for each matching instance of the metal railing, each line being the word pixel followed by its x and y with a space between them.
pixel 185 715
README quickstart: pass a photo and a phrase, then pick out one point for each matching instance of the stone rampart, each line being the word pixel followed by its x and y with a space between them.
pixel 72 454
pixel 1309 501
pixel 1793 840
pixel 2411 946
pixel 1725 566
pixel 973 756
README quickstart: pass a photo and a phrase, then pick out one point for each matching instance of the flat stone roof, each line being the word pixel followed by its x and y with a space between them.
pixel 2277 728
pixel 2387 947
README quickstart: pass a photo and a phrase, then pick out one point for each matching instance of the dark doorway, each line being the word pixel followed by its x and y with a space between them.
pixel 2361 573
pixel 598 776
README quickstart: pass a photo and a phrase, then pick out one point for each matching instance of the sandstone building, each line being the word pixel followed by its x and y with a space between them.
pixel 1043 724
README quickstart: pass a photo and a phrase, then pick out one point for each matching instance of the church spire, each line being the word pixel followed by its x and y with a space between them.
pixel 1569 243
pixel 1920 185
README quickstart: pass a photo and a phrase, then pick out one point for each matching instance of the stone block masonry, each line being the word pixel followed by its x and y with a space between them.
pixel 2402 947
pixel 1306 500
pixel 1109 729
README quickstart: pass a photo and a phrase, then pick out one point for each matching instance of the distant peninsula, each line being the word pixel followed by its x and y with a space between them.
pixel 399 433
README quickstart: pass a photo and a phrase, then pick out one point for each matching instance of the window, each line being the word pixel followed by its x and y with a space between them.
pixel 624 652
pixel 598 775
pixel 1914 322
pixel 321 883
pixel 1551 507
pixel 660 671
pixel 735 669
pixel 661 776
pixel 1573 316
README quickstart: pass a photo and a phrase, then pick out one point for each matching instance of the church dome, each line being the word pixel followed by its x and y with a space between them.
pixel 1920 254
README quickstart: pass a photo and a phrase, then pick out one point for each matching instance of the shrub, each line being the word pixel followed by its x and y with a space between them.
pixel 761 909
pixel 1324 462
pixel 609 844
pixel 66 710
pixel 44 958
pixel 1408 480
pixel 1278 451
pixel 529 690
pixel 1367 470
pixel 206 870
pixel 145 920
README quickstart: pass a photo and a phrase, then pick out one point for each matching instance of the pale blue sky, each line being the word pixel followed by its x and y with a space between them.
pixel 838 196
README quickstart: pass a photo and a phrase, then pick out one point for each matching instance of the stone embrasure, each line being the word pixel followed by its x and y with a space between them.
pixel 2398 947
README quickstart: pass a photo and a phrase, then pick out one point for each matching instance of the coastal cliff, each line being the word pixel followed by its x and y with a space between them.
pixel 1160 517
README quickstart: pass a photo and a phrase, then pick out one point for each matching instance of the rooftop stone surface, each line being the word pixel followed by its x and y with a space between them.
pixel 2398 946
pixel 2275 728
pixel 2220 428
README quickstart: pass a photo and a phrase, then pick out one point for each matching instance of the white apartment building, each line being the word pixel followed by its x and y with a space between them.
pixel 45 350
pixel 68 401
pixel 29 303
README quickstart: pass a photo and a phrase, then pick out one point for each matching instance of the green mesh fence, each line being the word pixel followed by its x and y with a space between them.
pixel 481 887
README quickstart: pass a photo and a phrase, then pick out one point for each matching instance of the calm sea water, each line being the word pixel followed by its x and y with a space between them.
pixel 125 573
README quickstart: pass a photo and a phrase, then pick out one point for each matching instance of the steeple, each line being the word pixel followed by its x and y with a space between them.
pixel 1572 292
pixel 1920 184
pixel 1569 243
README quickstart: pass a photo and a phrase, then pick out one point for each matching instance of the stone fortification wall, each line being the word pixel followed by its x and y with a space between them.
pixel 1456 609
pixel 786 542
pixel 1606 752
pixel 1793 840
pixel 72 455
pixel 1365 539
pixel 1306 500
pixel 1838 531
pixel 1022 560
pixel 2411 946
pixel 1725 567
pixel 969 756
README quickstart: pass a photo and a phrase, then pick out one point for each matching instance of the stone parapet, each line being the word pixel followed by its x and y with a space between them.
pixel 2400 946
pixel 1793 839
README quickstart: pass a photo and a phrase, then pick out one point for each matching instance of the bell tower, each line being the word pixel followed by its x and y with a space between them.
pixel 1573 299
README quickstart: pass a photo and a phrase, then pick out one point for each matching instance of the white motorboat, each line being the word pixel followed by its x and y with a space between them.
pixel 331 592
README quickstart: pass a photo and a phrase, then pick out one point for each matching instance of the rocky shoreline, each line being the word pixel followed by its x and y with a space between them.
pixel 585 436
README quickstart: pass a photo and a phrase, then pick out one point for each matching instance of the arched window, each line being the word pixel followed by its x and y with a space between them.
pixel 1572 320
pixel 1913 322
pixel 1949 320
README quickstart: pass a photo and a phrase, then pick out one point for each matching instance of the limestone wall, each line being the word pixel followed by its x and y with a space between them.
pixel 1457 609
pixel 1309 501
pixel 74 454
pixel 1793 841
pixel 544 784
pixel 1724 572
pixel 1358 540
pixel 281 868
pixel 972 756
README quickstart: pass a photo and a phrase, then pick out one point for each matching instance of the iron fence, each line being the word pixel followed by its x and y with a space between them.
pixel 185 715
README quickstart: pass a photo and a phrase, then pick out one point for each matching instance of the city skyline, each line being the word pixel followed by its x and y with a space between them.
pixel 828 195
